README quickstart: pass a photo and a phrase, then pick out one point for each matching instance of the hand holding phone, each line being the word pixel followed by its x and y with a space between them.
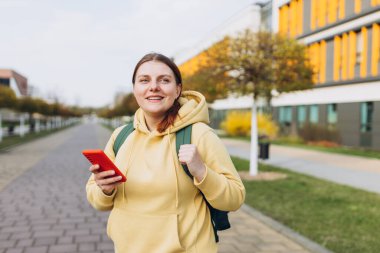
pixel 106 175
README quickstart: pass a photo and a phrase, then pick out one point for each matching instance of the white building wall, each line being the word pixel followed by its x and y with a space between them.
pixel 14 87
pixel 336 94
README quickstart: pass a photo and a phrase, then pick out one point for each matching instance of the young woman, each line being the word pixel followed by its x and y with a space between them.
pixel 160 209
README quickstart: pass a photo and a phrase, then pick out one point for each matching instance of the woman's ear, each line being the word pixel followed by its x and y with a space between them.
pixel 179 90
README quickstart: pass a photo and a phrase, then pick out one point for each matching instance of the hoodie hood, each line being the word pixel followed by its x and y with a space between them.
pixel 193 109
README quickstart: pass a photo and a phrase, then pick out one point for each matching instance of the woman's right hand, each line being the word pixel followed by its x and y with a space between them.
pixel 103 179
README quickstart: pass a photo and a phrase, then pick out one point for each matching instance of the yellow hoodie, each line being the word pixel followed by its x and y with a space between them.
pixel 160 209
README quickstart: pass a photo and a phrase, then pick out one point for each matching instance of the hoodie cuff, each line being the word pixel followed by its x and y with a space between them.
pixel 104 198
pixel 209 183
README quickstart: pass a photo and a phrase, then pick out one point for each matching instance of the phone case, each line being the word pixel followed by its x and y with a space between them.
pixel 97 156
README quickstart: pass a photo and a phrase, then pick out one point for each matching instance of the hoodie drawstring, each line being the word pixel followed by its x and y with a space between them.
pixel 175 169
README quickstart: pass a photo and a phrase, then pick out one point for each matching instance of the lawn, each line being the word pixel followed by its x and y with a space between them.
pixel 341 218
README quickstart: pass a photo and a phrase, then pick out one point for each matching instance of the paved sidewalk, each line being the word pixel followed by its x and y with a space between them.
pixel 44 208
pixel 358 172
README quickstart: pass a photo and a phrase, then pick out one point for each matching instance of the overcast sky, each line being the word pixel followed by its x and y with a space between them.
pixel 84 51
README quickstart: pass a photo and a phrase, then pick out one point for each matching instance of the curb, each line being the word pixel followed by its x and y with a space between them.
pixel 303 241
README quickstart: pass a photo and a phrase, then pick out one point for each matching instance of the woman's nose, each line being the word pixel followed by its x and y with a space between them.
pixel 154 85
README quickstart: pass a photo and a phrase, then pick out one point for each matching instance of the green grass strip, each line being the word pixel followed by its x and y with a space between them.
pixel 341 218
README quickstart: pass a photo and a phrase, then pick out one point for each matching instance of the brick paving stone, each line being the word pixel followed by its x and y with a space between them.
pixel 90 225
pixel 71 220
pixel 45 241
pixel 49 233
pixel 105 246
pixel 86 247
pixel 36 228
pixel 98 231
pixel 65 239
pixel 78 232
pixel 40 249
pixel 4 236
pixel 244 248
pixel 6 223
pixel 14 229
pixel 7 244
pixel 15 250
pixel 24 243
pixel 39 222
pixel 23 235
pixel 63 248
pixel 87 238
pixel 71 226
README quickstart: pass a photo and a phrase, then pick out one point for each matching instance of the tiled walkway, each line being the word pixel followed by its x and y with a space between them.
pixel 44 208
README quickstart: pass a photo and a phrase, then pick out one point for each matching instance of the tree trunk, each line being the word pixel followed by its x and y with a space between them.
pixel 253 170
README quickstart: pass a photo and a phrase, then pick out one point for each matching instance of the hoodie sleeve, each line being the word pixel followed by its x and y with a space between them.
pixel 95 195
pixel 221 185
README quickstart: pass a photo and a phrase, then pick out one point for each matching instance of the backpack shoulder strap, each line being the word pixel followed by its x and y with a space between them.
pixel 122 136
pixel 183 136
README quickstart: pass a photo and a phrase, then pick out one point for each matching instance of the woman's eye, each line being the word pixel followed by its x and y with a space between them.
pixel 143 80
pixel 164 80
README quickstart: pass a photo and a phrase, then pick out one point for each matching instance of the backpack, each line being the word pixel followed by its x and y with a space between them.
pixel 219 219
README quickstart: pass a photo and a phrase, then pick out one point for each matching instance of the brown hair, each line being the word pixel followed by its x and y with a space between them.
pixel 172 113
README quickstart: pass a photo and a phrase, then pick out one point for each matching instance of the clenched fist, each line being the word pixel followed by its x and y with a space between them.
pixel 188 154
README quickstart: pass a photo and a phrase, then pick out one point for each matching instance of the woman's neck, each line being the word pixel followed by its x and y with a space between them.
pixel 152 122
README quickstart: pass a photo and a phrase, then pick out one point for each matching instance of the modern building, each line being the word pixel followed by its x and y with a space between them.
pixel 343 38
pixel 15 81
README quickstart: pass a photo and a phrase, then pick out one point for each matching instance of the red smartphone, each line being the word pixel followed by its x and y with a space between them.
pixel 97 156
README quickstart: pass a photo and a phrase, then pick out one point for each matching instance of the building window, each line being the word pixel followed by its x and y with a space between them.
pixel 364 53
pixel 375 57
pixel 359 47
pixel 366 112
pixel 313 116
pixel 358 6
pixel 285 115
pixel 5 81
pixel 301 115
pixel 317 56
pixel 332 115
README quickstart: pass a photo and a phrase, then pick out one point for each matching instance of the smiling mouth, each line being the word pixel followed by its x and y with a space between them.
pixel 155 98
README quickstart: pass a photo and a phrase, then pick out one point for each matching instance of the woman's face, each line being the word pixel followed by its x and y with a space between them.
pixel 155 88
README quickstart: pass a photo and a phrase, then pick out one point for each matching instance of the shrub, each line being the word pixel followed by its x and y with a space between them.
pixel 313 133
pixel 266 126
pixel 238 123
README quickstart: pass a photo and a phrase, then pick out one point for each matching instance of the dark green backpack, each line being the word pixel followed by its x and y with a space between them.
pixel 219 219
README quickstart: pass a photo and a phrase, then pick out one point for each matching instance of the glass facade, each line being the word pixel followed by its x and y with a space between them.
pixel 313 116
pixel 285 115
pixel 301 115
pixel 366 113
pixel 332 114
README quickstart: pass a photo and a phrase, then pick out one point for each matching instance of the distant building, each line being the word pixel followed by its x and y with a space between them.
pixel 17 82
pixel 343 38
